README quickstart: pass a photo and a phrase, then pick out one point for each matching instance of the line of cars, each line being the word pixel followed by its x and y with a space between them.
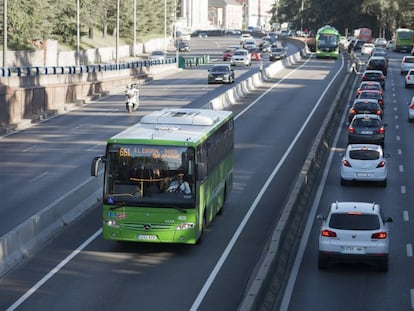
pixel 359 231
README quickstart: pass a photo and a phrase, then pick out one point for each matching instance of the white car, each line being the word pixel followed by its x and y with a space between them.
pixel 244 37
pixel 249 44
pixel 354 232
pixel 367 48
pixel 411 110
pixel 409 78
pixel 407 63
pixel 364 162
pixel 241 57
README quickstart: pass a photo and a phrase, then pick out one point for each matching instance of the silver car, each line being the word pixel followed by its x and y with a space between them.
pixel 407 63
pixel 354 232
pixel 364 162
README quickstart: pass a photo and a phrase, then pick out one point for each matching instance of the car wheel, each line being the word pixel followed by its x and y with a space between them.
pixel 322 262
pixel 406 85
pixel 384 183
pixel 343 182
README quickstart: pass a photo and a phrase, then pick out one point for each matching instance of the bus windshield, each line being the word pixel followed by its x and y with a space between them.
pixel 327 40
pixel 149 176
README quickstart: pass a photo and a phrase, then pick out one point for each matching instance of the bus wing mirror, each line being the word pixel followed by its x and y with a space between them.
pixel 95 165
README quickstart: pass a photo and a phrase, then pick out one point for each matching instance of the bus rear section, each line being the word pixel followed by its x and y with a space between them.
pixel 167 177
pixel 403 40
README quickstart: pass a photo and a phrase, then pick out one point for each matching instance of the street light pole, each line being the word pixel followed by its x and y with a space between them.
pixel 117 32
pixel 77 33
pixel 4 32
pixel 165 25
pixel 135 28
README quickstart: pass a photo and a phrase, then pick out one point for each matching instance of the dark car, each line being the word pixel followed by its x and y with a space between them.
pixel 277 53
pixel 220 73
pixel 366 129
pixel 378 63
pixel 184 46
pixel 374 75
pixel 372 94
pixel 369 86
pixel 364 106
pixel 356 46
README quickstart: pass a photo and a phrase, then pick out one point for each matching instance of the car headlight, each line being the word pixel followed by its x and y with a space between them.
pixel 185 226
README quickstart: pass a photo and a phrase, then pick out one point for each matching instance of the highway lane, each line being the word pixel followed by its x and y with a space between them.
pixel 357 286
pixel 40 165
pixel 109 275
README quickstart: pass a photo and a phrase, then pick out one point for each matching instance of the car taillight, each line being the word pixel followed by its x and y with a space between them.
pixel 411 106
pixel 381 130
pixel 379 112
pixel 352 111
pixel 351 130
pixel 328 233
pixel 381 164
pixel 380 101
pixel 346 163
pixel 379 235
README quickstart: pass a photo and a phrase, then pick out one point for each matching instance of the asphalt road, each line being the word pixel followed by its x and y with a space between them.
pixel 275 127
pixel 360 287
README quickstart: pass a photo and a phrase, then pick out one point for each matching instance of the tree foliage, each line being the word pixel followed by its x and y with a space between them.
pixel 31 20
pixel 382 16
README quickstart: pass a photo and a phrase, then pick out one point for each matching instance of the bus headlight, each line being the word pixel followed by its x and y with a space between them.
pixel 185 226
pixel 111 223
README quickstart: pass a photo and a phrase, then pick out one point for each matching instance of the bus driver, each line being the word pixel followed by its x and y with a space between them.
pixel 179 185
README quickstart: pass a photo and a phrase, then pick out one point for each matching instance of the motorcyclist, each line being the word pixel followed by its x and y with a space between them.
pixel 132 94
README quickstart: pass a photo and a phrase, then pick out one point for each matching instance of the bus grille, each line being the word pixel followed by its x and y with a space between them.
pixel 145 226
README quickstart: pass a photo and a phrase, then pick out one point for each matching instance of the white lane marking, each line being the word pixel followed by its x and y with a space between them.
pixel 409 249
pixel 398 138
pixel 403 190
pixel 30 148
pixel 401 168
pixel 399 151
pixel 412 298
pixel 53 272
pixel 406 216
pixel 38 177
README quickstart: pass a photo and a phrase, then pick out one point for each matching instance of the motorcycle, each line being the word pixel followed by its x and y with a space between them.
pixel 132 95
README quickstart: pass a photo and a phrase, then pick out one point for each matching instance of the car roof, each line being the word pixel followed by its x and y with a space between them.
pixel 355 207
pixel 367 116
pixel 366 100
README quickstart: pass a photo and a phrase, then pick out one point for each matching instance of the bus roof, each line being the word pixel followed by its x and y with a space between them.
pixel 328 29
pixel 182 124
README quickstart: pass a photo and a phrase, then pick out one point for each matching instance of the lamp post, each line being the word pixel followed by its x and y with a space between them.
pixel 117 33
pixel 165 25
pixel 4 32
pixel 135 28
pixel 77 33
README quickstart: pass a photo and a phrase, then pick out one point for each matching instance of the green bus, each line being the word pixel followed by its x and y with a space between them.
pixel 327 42
pixel 403 40
pixel 166 177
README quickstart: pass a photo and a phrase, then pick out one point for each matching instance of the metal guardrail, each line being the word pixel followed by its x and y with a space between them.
pixel 22 71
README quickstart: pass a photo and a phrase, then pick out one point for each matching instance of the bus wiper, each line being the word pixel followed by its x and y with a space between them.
pixel 117 205
pixel 178 208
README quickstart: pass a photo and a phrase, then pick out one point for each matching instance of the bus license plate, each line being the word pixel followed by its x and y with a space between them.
pixel 146 237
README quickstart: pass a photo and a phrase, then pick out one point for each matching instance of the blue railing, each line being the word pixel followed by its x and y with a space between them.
pixel 56 70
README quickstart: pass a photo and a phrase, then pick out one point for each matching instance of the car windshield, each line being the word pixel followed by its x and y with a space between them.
pixel 364 154
pixel 219 68
pixel 240 53
pixel 366 122
pixel 409 59
pixel 354 221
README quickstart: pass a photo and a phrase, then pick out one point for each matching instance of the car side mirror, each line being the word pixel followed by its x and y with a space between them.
pixel 388 219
